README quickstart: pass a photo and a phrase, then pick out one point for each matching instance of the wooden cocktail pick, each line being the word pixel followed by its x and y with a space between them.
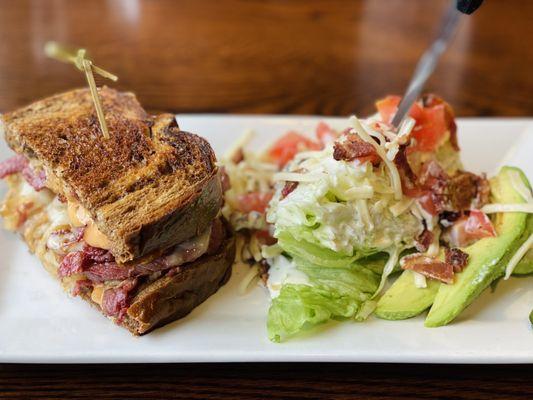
pixel 79 60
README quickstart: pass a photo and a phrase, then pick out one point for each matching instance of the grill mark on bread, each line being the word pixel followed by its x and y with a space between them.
pixel 133 184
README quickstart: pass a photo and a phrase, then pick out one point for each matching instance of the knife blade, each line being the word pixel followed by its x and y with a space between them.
pixel 427 63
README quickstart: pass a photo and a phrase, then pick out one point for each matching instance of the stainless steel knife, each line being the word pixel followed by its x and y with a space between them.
pixel 429 59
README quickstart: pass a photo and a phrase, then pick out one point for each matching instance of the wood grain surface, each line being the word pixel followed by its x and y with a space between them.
pixel 267 381
pixel 330 57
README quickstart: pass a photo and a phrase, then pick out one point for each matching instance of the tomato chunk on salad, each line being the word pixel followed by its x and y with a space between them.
pixel 287 146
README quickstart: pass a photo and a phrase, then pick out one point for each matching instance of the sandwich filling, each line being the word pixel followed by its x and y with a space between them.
pixel 62 234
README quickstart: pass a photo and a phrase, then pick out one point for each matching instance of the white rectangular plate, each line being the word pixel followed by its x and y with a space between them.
pixel 40 323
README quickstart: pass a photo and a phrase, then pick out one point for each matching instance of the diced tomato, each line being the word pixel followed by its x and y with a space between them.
pixel 255 201
pixel 431 122
pixel 388 106
pixel 469 229
pixel 325 134
pixel 287 146
pixel 430 128
pixel 428 203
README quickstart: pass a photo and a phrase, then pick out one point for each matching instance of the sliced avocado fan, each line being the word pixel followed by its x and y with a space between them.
pixel 487 261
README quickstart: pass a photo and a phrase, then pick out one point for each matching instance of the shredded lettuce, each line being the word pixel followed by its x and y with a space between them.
pixel 346 210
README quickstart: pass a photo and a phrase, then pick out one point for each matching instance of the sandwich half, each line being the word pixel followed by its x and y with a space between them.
pixel 130 223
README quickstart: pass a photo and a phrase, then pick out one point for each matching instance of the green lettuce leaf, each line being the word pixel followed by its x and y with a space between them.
pixel 333 293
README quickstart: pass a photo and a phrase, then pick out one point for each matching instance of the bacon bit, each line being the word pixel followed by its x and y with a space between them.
pixel 12 166
pixel 353 148
pixel 424 241
pixel 438 192
pixel 288 189
pixel 456 258
pixel 82 286
pixel 468 229
pixel 115 301
pixel 265 238
pixel 429 267
pixel 463 190
pixel 407 176
pixel 263 270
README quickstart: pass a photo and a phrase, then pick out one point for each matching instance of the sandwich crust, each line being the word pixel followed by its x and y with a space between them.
pixel 149 186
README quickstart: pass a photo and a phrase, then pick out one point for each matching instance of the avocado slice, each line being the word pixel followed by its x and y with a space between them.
pixel 484 264
pixel 531 317
pixel 525 266
pixel 404 300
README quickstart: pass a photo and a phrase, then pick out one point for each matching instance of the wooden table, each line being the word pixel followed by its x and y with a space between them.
pixel 329 57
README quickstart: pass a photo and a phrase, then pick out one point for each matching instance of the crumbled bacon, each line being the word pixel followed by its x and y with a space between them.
pixel 429 267
pixel 407 176
pixel 424 241
pixel 288 189
pixel 456 258
pixel 464 188
pixel 438 192
pixel 115 301
pixel 352 147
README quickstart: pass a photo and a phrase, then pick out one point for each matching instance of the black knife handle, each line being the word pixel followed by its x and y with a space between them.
pixel 468 6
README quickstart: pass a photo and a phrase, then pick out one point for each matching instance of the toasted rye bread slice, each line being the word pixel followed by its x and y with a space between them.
pixel 148 186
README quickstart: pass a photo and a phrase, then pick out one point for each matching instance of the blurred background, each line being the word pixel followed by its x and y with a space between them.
pixel 331 57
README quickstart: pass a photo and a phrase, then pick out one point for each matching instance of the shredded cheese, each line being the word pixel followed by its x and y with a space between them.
pixel 298 177
pixel 394 174
pixel 400 207
pixel 520 187
pixel 499 208
pixel 365 214
pixel 394 254
pixel 521 252
pixel 419 280
pixel 360 192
